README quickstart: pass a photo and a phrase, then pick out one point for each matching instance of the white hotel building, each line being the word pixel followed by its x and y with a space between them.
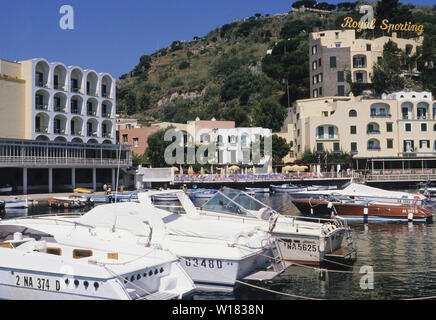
pixel 57 118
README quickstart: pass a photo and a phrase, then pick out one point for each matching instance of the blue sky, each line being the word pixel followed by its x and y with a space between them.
pixel 111 35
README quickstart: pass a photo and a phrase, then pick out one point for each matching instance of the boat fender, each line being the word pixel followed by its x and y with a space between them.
pixel 410 216
pixel 322 244
pixel 18 236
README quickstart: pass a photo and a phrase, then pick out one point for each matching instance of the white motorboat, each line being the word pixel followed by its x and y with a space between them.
pixel 5 189
pixel 357 191
pixel 257 190
pixel 287 188
pixel 216 255
pixel 17 203
pixel 429 192
pixel 55 257
pixel 299 240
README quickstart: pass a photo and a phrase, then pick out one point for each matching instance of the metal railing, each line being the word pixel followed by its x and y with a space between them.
pixel 32 160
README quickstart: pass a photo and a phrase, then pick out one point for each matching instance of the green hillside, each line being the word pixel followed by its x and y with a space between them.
pixel 227 74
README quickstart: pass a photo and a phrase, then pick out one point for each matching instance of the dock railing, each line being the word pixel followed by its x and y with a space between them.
pixel 402 175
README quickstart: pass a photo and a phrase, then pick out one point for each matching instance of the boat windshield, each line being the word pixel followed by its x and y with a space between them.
pixel 233 201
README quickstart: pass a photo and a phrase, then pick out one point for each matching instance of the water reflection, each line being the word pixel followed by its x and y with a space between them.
pixel 401 255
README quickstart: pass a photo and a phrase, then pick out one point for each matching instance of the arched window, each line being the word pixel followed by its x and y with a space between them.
pixel 352 113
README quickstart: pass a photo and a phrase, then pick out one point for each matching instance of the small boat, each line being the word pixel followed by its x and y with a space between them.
pixel 201 193
pixel 358 191
pixel 314 188
pixel 59 258
pixel 16 202
pixel 83 190
pixel 70 202
pixel 429 192
pixel 257 190
pixel 287 188
pixel 361 210
pixel 5 189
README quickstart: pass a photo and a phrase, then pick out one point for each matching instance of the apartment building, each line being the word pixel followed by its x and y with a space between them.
pixel 57 127
pixel 402 124
pixel 49 101
pixel 334 52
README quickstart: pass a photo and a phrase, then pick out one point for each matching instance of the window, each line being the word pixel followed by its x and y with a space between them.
pixel 341 90
pixel 336 147
pixel 423 127
pixel 338 45
pixel 320 91
pixel 405 112
pixel 298 116
pixel 408 127
pixel 333 62
pixel 320 132
pixel 135 142
pixel 390 143
pixel 341 76
pixel 331 132
pixel 54 251
pixel 352 113
pixel 408 145
pixel 315 79
pixel 125 138
pixel 353 130
pixel 324 114
pixel 315 93
pixel 389 126
pixel 319 147
pixel 424 144
pixel 359 62
pixel 368 47
pixel 337 35
pixel 79 253
pixel 434 127
pixel 319 62
pixel 359 77
pixel 298 132
pixel 314 49
pixel 320 77
pixel 314 65
pixel 354 147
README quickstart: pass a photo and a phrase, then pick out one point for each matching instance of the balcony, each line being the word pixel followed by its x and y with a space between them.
pixel 75 110
pixel 91 113
pixel 59 131
pixel 376 148
pixel 106 115
pixel 77 133
pixel 106 135
pixel 41 84
pixel 373 131
pixel 59 86
pixel 380 115
pixel 41 106
pixel 60 109
pixel 76 90
pixel 41 130
pixel 91 134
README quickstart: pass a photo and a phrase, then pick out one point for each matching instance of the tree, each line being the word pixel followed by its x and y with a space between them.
pixel 268 113
pixel 155 152
pixel 293 29
pixel 280 148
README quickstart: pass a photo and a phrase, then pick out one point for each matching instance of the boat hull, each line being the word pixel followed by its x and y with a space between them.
pixel 360 212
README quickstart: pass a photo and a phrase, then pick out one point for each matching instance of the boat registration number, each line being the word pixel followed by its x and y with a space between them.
pixel 204 263
pixel 302 246
pixel 37 283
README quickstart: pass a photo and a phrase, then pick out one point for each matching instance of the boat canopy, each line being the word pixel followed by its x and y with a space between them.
pixel 236 202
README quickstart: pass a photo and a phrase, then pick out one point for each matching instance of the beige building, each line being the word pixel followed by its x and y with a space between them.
pixel 402 124
pixel 48 101
pixel 333 52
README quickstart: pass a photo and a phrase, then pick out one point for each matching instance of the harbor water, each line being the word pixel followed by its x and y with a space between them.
pixel 401 256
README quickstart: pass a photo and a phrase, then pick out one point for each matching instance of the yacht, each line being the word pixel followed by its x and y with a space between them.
pixel 300 240
pixel 60 257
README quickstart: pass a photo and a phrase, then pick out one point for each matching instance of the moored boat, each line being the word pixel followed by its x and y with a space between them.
pixel 364 210
pixel 287 188
pixel 16 202
pixel 55 257
pixel 357 191
pixel 70 202
pixel 257 190
pixel 5 189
